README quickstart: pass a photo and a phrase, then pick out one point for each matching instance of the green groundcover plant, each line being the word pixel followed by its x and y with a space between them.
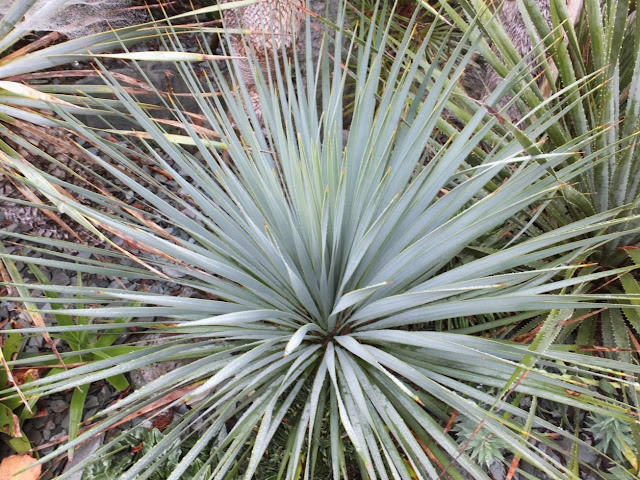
pixel 323 254
pixel 13 411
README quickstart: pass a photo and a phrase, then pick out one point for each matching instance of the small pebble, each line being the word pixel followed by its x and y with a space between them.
pixel 60 278
pixel 91 402
pixel 35 437
pixel 88 413
pixel 58 406
pixel 64 423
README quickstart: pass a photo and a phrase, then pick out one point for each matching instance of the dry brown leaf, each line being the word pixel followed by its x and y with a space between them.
pixel 157 405
pixel 31 93
pixel 13 464
pixel 17 433
pixel 21 375
pixel 32 46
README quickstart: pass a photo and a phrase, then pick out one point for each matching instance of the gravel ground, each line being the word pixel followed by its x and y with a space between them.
pixel 51 422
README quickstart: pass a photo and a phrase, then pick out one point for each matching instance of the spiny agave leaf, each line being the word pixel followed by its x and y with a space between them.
pixel 616 72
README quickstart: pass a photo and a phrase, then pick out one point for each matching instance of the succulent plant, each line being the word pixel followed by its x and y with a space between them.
pixel 322 252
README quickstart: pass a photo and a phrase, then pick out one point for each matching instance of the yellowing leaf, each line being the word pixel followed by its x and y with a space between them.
pixel 626 451
pixel 25 91
pixel 173 138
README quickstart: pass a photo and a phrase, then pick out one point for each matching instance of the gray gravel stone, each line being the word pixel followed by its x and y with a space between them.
pixel 497 469
pixel 105 393
pixel 88 413
pixel 58 406
pixel 172 272
pixel 35 437
pixel 38 423
pixel 60 278
pixel 34 344
pixel 64 423
pixel 84 451
pixel 91 402
pixel 101 282
pixel 59 436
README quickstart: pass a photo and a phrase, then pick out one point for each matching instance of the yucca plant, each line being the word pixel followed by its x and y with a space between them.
pixel 321 265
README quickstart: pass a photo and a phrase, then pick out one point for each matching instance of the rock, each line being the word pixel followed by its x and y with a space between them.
pixel 172 272
pixel 497 469
pixel 35 437
pixel 59 436
pixel 34 344
pixel 91 402
pixel 149 373
pixel 101 283
pixel 64 423
pixel 38 423
pixel 81 454
pixel 58 406
pixel 60 278
pixel 88 413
